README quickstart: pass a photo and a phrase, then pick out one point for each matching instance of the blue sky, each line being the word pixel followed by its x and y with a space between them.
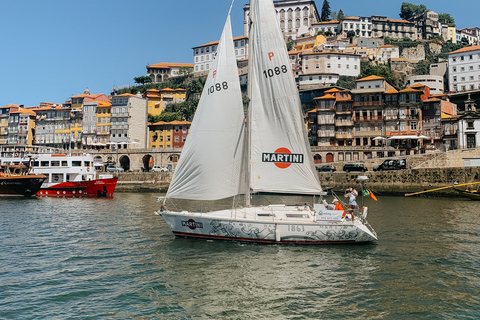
pixel 53 49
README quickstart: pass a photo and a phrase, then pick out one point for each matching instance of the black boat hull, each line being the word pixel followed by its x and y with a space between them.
pixel 22 185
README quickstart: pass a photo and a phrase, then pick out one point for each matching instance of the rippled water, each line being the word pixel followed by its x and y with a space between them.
pixel 115 259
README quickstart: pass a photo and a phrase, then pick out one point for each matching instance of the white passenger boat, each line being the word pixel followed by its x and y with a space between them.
pixel 66 174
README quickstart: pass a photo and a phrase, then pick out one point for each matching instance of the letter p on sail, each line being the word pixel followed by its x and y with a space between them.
pixel 270 55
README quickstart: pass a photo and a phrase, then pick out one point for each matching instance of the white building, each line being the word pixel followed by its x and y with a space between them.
pixel 204 55
pixel 343 64
pixel 129 121
pixel 292 16
pixel 362 26
pixel 469 126
pixel 464 69
pixel 164 70
pixel 434 82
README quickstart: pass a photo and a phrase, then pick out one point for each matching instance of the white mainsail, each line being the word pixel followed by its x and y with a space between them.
pixel 211 161
pixel 280 155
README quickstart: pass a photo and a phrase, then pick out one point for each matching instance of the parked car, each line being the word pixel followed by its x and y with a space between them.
pixel 326 168
pixel 354 167
pixel 113 168
pixel 391 164
pixel 159 169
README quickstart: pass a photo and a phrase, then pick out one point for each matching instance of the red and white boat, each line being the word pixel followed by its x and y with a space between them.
pixel 67 174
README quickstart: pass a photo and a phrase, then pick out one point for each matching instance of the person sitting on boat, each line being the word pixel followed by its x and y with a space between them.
pixel 351 194
pixel 338 206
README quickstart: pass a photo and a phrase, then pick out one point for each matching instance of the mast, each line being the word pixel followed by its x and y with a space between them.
pixel 248 134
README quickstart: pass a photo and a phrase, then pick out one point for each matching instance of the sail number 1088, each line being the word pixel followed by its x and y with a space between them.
pixel 218 87
pixel 275 71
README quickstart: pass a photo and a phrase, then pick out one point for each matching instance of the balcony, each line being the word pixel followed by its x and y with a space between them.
pixel 367 103
pixel 450 132
pixel 368 133
pixel 368 118
pixel 326 134
pixel 344 123
pixel 344 135
pixel 343 111
pixel 326 121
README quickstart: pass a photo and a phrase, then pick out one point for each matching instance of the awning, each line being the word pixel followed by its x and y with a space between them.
pixel 379 138
pixel 407 137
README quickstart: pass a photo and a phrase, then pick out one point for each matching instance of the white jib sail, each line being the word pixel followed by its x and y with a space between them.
pixel 209 167
pixel 281 159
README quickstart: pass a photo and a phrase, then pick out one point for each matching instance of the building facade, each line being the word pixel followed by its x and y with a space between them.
pixel 168 134
pixel 464 69
pixel 160 72
pixel 204 54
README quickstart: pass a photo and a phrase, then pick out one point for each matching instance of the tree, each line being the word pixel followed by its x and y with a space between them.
pixel 142 79
pixel 185 71
pixel 446 18
pixel 340 15
pixel 409 10
pixel 422 67
pixel 346 82
pixel 325 16
pixel 350 35
pixel 383 70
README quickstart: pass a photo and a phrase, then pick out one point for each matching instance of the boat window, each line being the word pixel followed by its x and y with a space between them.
pixel 55 164
pixel 86 163
pixel 57 177
pixel 44 164
pixel 76 163
pixel 36 163
pixel 64 164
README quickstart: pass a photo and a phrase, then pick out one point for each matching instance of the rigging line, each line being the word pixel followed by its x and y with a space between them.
pixel 231 7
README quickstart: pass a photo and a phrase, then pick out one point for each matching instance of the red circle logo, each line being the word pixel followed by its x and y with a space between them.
pixel 282 165
pixel 192 224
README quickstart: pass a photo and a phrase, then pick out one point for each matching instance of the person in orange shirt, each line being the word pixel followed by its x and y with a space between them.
pixel 338 206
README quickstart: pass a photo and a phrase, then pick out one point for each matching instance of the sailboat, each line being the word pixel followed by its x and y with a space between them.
pixel 227 157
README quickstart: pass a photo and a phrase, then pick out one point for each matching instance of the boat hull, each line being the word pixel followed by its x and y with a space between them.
pixel 203 226
pixel 93 188
pixel 21 186
pixel 469 194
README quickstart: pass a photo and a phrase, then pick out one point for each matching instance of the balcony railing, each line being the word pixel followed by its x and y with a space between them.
pixel 326 134
pixel 344 135
pixel 367 103
pixel 326 121
pixel 344 123
pixel 368 118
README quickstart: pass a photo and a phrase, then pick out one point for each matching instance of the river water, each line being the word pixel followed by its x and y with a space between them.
pixel 115 259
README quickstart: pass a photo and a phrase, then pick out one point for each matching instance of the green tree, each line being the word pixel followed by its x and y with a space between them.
pixel 185 71
pixel 383 70
pixel 142 79
pixel 350 35
pixel 340 15
pixel 325 16
pixel 422 67
pixel 446 18
pixel 346 82
pixel 409 10
pixel 328 33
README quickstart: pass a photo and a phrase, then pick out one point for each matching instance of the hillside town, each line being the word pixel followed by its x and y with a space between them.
pixel 348 116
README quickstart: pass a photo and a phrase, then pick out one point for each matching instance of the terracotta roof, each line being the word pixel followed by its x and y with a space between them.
pixel 351 18
pixel 169 65
pixel 9 106
pixel 410 89
pixel 325 22
pixel 216 42
pixel 372 77
pixel 391 91
pixel 126 95
pixel 332 90
pixel 327 96
pixel 466 49
pixel 389 46
pixel 312 111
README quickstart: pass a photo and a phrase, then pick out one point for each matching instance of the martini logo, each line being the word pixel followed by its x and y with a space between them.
pixel 192 224
pixel 282 158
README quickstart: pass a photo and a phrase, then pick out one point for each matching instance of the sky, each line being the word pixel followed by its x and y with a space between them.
pixel 53 49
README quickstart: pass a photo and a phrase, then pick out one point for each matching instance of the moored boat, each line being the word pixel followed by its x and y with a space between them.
pixel 471 194
pixel 16 180
pixel 66 174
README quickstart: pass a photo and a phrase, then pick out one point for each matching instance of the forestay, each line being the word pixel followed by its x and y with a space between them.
pixel 280 154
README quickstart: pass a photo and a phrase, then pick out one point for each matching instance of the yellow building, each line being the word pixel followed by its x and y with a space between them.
pixel 308 42
pixel 157 100
pixel 104 123
pixel 168 134
pixel 77 114
pixel 4 116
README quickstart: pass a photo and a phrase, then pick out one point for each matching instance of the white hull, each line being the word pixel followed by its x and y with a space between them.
pixel 269 224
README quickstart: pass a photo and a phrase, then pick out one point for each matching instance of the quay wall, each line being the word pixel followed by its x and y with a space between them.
pixel 396 182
